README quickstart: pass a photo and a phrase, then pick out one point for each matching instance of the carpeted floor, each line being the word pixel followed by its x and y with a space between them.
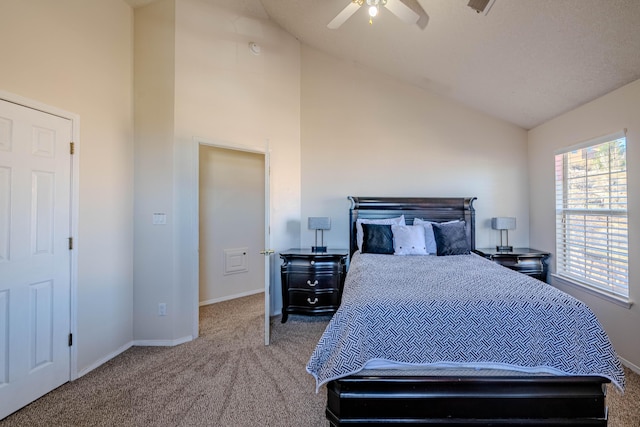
pixel 227 377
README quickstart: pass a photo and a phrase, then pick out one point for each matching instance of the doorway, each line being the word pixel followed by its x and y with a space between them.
pixel 233 211
pixel 231 192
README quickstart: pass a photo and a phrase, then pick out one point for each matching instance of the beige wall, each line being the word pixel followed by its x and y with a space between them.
pixel 366 134
pixel 77 56
pixel 226 94
pixel 154 128
pixel 611 113
pixel 219 93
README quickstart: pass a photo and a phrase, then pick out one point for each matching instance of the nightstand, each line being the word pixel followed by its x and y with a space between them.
pixel 524 260
pixel 312 281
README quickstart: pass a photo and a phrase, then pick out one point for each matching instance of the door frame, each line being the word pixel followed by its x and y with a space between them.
pixel 264 150
pixel 74 211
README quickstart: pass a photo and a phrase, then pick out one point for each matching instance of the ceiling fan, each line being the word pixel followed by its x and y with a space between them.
pixel 396 7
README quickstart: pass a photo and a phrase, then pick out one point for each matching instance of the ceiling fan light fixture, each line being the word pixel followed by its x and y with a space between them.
pixel 396 7
pixel 374 8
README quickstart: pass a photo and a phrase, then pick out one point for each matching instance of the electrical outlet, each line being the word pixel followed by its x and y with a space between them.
pixel 162 309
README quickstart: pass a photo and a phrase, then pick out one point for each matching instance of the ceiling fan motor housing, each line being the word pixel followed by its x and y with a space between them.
pixel 478 5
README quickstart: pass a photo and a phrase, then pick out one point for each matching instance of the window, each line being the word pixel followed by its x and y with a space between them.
pixel 591 215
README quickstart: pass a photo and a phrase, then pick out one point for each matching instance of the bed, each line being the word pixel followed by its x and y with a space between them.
pixel 399 352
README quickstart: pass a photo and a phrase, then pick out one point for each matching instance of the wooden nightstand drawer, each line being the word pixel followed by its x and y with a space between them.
pixel 314 301
pixel 312 281
pixel 523 260
pixel 311 263
pixel 525 265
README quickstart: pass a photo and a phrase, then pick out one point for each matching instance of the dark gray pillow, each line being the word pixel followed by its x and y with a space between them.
pixel 451 238
pixel 377 239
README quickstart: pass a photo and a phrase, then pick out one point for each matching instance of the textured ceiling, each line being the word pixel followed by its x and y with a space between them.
pixel 526 61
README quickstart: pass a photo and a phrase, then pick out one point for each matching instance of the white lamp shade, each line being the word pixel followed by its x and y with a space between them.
pixel 319 223
pixel 503 223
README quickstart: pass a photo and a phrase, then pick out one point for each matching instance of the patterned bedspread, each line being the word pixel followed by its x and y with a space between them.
pixel 459 311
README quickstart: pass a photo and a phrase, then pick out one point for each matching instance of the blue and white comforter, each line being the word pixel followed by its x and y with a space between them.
pixel 459 311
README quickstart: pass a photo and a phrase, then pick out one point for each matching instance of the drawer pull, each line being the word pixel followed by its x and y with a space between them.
pixel 313 262
pixel 312 284
pixel 315 300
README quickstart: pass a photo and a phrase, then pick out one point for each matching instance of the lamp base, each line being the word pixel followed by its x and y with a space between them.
pixel 318 249
pixel 504 248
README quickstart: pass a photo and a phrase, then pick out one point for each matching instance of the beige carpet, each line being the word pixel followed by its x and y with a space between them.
pixel 227 377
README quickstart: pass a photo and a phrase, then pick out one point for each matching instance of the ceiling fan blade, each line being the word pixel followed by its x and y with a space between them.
pixel 424 17
pixel 402 11
pixel 343 16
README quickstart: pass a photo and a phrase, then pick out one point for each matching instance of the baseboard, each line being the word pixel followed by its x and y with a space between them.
pixel 634 368
pixel 140 343
pixel 229 297
pixel 162 343
pixel 105 359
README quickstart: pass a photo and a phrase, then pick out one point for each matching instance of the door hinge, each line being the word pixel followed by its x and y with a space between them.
pixel 70 243
pixel 70 340
pixel 72 148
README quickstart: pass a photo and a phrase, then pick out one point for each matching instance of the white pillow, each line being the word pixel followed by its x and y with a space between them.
pixel 409 240
pixel 429 238
pixel 386 221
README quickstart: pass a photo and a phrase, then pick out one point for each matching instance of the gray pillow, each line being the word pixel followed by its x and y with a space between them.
pixel 451 238
pixel 377 239
pixel 429 238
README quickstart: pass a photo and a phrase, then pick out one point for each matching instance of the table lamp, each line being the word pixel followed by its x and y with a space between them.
pixel 319 223
pixel 503 224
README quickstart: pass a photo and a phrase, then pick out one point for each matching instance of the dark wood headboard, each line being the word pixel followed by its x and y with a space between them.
pixel 437 209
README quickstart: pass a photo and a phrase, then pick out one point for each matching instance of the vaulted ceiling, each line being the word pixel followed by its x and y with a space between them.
pixel 525 61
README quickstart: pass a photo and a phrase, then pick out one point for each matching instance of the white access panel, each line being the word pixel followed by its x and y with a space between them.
pixel 236 260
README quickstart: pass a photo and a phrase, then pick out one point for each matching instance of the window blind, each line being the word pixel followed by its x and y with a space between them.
pixel 591 215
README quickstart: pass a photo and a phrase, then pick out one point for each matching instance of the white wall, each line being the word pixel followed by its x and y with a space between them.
pixel 225 93
pixel 608 114
pixel 366 134
pixel 221 93
pixel 77 56
pixel 154 127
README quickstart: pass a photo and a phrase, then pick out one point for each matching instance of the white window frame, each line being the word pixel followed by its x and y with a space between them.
pixel 592 241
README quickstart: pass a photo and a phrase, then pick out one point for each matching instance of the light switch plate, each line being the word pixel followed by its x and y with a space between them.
pixel 159 218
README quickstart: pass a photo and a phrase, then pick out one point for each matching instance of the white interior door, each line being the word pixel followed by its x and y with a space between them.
pixel 35 260
pixel 268 253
